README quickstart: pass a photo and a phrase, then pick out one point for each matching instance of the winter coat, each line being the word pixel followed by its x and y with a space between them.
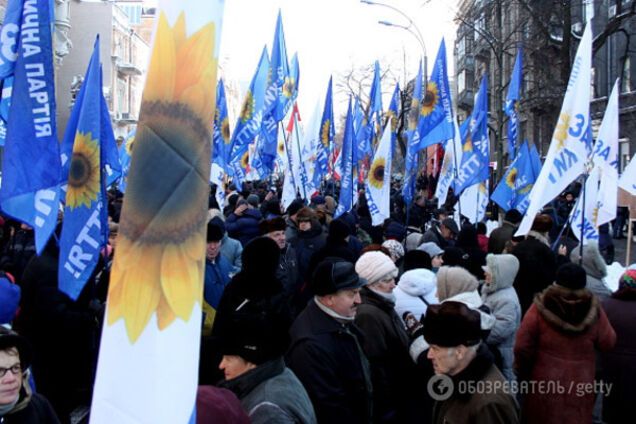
pixel 271 393
pixel 433 235
pixel 537 269
pixel 595 268
pixel 232 249
pixel 557 343
pixel 482 407
pixel 500 236
pixel 216 278
pixel 386 345
pixel 292 229
pixel 288 273
pixel 618 364
pixel 306 243
pixel 244 228
pixel 327 357
pixel 503 303
pixel 415 288
pixel 32 408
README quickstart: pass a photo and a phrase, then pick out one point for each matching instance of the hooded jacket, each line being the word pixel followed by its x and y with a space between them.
pixel 415 288
pixel 31 408
pixel 595 268
pixel 557 342
pixel 503 302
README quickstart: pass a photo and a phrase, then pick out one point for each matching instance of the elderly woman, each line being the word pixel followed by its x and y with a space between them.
pixel 386 342
pixel 18 405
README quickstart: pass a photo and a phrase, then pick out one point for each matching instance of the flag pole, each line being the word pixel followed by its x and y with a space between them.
pixel 628 253
pixel 585 175
pixel 459 203
pixel 567 223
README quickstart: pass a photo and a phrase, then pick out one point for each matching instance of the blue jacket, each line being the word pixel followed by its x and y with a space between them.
pixel 232 249
pixel 217 276
pixel 244 228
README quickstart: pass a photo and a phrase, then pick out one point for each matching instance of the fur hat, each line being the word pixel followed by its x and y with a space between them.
pixel 571 276
pixel 305 214
pixel 338 230
pixel 394 230
pixel 260 257
pixel 333 275
pixel 218 405
pixel 542 223
pixel 415 259
pixel 267 226
pixel 375 266
pixel 9 339
pixel 294 207
pixel 513 216
pixel 451 324
pixel 452 280
pixel 395 249
pixel 216 230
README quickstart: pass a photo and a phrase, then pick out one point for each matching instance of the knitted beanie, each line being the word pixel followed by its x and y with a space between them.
pixel 395 248
pixel 375 266
pixel 452 280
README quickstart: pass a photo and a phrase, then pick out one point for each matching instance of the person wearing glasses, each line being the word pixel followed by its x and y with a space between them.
pixel 18 404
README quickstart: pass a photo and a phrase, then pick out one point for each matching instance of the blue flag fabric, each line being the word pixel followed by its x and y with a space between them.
pixel 11 25
pixel 221 135
pixel 5 105
pixel 31 161
pixel 280 84
pixel 374 130
pixel 125 156
pixel 248 124
pixel 85 228
pixel 436 117
pixel 345 201
pixel 510 105
pixel 476 145
pixel 392 114
pixel 413 137
pixel 514 188
pixel 327 133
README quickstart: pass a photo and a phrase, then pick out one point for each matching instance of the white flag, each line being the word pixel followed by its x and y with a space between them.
pixel 452 156
pixel 569 146
pixel 378 184
pixel 474 201
pixel 605 158
pixel 628 179
pixel 584 225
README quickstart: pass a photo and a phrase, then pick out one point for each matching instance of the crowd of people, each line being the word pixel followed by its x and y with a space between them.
pixel 311 318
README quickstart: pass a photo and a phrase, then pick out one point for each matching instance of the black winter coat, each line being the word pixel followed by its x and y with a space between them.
pixel 327 358
pixel 38 410
pixel 537 270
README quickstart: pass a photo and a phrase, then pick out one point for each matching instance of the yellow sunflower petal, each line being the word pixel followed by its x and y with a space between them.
pixel 125 254
pixel 178 281
pixel 141 291
pixel 165 316
pixel 162 69
pixel 194 57
pixel 195 246
pixel 113 310
pixel 179 31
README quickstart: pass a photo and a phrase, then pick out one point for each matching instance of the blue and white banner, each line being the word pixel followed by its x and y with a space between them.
pixel 452 157
pixel 378 184
pixel 628 179
pixel 345 202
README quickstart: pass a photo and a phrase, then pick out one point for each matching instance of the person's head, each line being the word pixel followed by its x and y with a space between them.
pixel 542 223
pixel 395 248
pixel 481 228
pixel 220 406
pixel 338 231
pixel 452 280
pixel 304 218
pixel 293 208
pixel 379 271
pixel 453 333
pixel 15 357
pixel 113 231
pixel 513 216
pixel 448 229
pixel 337 286
pixel 253 201
pixel 234 366
pixel 415 259
pixel 435 252
pixel 440 214
pixel 569 197
pixel 571 276
pixel 500 271
pixel 275 229
pixel 214 239
pixel 420 200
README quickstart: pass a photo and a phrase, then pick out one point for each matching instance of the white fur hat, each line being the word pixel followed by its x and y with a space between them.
pixel 375 266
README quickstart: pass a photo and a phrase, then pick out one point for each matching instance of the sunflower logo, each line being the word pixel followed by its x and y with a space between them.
pixel 511 178
pixel 130 141
pixel 83 178
pixel 561 132
pixel 431 98
pixel 376 173
pixel 247 111
pixel 281 147
pixel 325 133
pixel 468 144
pixel 525 189
pixel 245 159
pixel 390 116
pixel 289 87
pixel 225 130
pixel 158 267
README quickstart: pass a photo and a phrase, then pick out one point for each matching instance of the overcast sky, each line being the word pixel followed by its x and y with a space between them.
pixel 332 36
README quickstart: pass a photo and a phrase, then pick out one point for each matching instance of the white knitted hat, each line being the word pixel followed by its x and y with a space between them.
pixel 375 266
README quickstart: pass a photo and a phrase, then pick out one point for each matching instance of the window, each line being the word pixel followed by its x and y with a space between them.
pixel 461 47
pixel 461 81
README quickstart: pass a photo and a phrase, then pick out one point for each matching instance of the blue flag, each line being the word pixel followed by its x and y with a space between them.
pixel 125 156
pixel 280 83
pixel 474 167
pixel 5 105
pixel 392 114
pixel 85 228
pixel 436 117
pixel 11 25
pixel 248 124
pixel 31 161
pixel 345 201
pixel 221 135
pixel 510 105
pixel 413 137
pixel 327 133
pixel 375 110
pixel 514 188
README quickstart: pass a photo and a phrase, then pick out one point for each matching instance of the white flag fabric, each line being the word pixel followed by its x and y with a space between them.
pixel 474 201
pixel 310 142
pixel 605 158
pixel 583 225
pixel 378 184
pixel 292 173
pixel 452 157
pixel 570 142
pixel 628 179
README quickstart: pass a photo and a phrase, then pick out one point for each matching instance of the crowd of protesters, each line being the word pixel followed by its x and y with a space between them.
pixel 308 317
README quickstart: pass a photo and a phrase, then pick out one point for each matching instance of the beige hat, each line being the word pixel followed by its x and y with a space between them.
pixel 375 266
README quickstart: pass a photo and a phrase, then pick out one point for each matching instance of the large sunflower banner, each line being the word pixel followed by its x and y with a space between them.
pixel 148 360
pixel 378 184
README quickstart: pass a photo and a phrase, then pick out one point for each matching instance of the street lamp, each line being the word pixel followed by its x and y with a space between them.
pixel 415 31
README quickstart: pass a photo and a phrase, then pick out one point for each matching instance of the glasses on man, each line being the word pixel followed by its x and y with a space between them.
pixel 15 370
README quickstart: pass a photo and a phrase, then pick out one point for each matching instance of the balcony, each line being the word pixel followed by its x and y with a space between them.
pixel 466 62
pixel 465 99
pixel 125 118
pixel 128 69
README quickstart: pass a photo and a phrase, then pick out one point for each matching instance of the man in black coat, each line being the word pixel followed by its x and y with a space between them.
pixel 326 352
pixel 500 236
